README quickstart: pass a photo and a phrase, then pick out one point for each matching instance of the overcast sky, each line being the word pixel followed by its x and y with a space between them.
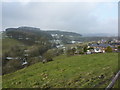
pixel 81 17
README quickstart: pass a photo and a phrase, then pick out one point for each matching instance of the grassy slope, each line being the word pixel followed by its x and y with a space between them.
pixel 7 43
pixel 74 71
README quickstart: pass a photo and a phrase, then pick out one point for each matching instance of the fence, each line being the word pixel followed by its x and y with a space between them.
pixel 109 87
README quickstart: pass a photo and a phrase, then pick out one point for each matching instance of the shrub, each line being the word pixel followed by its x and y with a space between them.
pixel 11 66
pixel 70 52
pixel 34 51
pixel 118 48
pixel 81 52
pixel 85 49
pixel 34 60
pixel 16 51
pixel 48 56
pixel 108 49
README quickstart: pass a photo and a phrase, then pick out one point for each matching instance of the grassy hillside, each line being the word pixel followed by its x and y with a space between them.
pixel 7 43
pixel 74 71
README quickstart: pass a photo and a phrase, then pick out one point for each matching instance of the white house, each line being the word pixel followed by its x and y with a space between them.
pixel 9 58
pixel 73 42
pixel 97 50
pixel 24 63
pixel 88 52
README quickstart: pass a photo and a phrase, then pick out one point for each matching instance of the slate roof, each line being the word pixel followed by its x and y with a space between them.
pixel 115 44
pixel 100 45
pixel 97 49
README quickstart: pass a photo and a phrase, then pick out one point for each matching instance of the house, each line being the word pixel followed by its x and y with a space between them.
pixel 100 48
pixel 102 45
pixel 26 38
pixel 11 58
pixel 59 46
pixel 20 38
pixel 88 52
pixel 115 44
pixel 24 63
pixel 97 50
pixel 73 42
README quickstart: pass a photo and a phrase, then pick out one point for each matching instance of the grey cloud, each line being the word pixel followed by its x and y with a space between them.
pixel 75 17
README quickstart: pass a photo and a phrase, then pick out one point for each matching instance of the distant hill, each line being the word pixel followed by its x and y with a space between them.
pixel 31 31
pixel 28 35
pixel 66 37
pixel 64 33
pixel 100 35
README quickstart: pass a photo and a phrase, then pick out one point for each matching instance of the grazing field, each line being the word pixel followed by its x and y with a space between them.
pixel 86 71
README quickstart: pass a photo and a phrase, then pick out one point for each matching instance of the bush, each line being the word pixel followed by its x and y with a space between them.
pixel 60 51
pixel 108 49
pixel 11 66
pixel 90 48
pixel 34 51
pixel 34 60
pixel 81 52
pixel 118 48
pixel 85 49
pixel 48 56
pixel 16 51
pixel 52 53
pixel 70 52
pixel 37 50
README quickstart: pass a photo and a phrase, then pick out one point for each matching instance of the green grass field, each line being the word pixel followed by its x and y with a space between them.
pixel 86 71
pixel 7 43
